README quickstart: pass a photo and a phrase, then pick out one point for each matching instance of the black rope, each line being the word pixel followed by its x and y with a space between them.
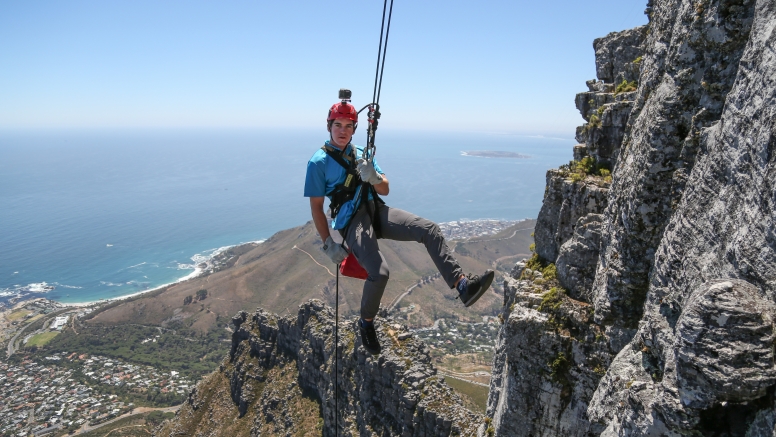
pixel 385 49
pixel 374 107
pixel 336 356
pixel 379 50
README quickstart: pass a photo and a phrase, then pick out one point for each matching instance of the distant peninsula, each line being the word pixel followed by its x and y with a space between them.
pixel 494 154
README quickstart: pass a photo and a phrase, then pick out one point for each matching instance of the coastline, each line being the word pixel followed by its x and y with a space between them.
pixel 216 260
pixel 209 265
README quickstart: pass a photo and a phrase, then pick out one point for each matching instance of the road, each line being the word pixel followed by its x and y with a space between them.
pixel 86 428
pixel 447 375
pixel 12 343
pixel 396 301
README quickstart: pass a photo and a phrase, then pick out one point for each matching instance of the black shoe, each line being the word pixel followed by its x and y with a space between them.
pixel 369 338
pixel 476 287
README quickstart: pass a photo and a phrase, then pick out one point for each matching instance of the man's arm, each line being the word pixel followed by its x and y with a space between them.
pixel 319 217
pixel 383 188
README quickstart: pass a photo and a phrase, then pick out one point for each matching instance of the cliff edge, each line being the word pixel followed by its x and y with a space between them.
pixel 279 379
pixel 648 308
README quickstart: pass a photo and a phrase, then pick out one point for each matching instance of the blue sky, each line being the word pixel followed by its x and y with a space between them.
pixel 496 66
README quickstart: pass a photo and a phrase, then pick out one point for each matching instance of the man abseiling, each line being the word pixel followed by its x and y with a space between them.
pixel 335 171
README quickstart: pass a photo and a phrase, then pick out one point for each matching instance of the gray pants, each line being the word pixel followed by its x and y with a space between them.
pixel 401 226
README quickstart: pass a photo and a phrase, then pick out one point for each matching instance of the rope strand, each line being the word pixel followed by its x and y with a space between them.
pixel 336 357
pixel 374 107
pixel 379 49
pixel 385 49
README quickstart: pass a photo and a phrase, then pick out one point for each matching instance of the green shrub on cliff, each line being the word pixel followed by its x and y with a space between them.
pixel 586 165
pixel 559 368
pixel 534 263
pixel 625 87
pixel 552 299
pixel 593 121
pixel 578 170
pixel 550 272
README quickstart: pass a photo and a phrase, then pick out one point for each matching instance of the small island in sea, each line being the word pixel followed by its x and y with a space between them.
pixel 493 154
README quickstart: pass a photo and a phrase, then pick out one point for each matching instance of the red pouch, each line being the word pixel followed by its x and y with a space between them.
pixel 351 267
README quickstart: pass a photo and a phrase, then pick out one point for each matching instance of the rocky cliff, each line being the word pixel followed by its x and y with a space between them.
pixel 648 308
pixel 279 379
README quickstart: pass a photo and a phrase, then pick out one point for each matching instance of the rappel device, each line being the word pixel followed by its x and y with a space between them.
pixel 373 116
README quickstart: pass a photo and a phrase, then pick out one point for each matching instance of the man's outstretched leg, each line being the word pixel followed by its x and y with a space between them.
pixel 404 226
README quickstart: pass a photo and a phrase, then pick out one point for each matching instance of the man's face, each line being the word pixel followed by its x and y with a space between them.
pixel 342 132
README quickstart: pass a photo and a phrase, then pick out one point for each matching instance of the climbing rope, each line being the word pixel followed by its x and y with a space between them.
pixel 336 356
pixel 374 107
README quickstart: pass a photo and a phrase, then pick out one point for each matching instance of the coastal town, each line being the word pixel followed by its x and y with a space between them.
pixel 64 392
pixel 451 337
pixel 70 391
pixel 461 229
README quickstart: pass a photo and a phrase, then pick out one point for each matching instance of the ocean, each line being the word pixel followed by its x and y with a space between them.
pixel 90 215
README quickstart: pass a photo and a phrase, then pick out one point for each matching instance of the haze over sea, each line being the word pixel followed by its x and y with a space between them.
pixel 104 214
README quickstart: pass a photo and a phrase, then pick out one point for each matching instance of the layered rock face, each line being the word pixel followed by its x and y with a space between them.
pixel 548 362
pixel 397 393
pixel 691 59
pixel 703 356
pixel 659 314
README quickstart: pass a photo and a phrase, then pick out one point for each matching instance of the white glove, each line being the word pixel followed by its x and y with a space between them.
pixel 334 251
pixel 368 173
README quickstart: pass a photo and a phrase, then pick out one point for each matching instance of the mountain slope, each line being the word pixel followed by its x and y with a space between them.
pixel 289 269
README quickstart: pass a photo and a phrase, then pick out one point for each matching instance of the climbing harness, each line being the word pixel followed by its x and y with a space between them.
pixel 373 116
pixel 344 194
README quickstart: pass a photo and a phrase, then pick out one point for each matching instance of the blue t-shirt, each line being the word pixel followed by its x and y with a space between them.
pixel 324 173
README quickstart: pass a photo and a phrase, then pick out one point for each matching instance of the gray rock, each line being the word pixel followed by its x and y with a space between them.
pixel 684 280
pixel 564 203
pixel 396 393
pixel 715 260
pixel 724 345
pixel 615 53
pixel 579 256
pixel 517 270
pixel 580 151
pixel 547 365
pixel 691 58
pixel 721 362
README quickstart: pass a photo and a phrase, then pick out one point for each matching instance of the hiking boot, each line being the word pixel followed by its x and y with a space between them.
pixel 369 338
pixel 476 287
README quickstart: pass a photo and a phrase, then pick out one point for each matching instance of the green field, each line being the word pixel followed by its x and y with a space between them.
pixel 477 393
pixel 41 339
pixel 17 315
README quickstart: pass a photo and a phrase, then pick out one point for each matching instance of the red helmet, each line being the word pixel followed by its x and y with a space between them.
pixel 343 110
